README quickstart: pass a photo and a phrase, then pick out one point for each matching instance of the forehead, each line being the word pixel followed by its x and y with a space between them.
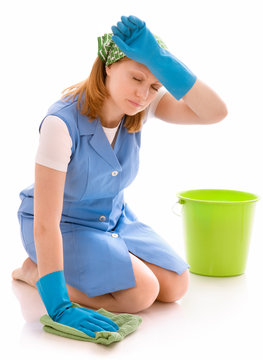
pixel 132 65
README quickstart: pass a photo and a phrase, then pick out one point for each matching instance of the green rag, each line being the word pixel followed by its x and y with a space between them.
pixel 127 323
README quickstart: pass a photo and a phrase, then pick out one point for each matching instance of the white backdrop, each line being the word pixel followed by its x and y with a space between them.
pixel 49 45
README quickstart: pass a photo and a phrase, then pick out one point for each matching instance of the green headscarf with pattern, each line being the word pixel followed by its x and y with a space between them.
pixel 109 52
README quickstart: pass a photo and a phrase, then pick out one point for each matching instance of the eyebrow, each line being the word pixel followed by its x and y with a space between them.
pixel 139 71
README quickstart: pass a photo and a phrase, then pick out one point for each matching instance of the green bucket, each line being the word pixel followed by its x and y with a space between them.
pixel 217 226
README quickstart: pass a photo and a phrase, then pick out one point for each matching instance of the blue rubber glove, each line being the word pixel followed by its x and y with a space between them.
pixel 137 42
pixel 53 291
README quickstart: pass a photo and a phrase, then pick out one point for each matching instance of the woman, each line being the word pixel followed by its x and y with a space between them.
pixel 84 243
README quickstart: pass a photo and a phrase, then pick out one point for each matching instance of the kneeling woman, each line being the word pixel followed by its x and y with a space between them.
pixel 83 241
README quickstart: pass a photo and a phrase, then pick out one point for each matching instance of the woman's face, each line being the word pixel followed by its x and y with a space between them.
pixel 131 85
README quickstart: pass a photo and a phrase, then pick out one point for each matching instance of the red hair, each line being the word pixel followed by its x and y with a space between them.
pixel 92 92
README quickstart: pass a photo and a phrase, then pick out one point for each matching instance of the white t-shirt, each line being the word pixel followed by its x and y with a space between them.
pixel 54 149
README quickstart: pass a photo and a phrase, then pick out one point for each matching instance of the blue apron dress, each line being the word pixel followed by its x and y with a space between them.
pixel 97 226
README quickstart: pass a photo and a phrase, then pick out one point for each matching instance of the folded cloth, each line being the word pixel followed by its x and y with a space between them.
pixel 127 323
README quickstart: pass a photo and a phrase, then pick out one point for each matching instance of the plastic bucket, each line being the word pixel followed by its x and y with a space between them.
pixel 217 226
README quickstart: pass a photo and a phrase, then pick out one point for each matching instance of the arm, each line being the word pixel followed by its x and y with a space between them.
pixel 189 100
pixel 200 105
pixel 48 202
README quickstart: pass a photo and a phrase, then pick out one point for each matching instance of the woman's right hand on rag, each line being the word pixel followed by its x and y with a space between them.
pixel 53 291
pixel 88 322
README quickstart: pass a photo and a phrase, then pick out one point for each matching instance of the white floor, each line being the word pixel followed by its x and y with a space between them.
pixel 219 318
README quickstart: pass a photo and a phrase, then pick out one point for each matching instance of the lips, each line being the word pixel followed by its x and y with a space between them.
pixel 135 103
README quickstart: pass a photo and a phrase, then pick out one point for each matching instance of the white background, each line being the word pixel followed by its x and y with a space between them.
pixel 49 45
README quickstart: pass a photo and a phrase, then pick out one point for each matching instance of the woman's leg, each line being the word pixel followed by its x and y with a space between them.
pixel 144 294
pixel 172 286
pixel 130 300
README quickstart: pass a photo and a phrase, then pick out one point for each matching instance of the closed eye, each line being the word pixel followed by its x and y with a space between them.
pixel 141 80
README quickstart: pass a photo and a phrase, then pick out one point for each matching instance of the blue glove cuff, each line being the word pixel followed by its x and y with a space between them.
pixel 172 73
pixel 53 291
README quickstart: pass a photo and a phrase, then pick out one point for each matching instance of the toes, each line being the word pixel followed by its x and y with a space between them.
pixel 15 274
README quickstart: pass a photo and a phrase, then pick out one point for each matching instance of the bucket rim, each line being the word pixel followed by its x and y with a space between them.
pixel 218 201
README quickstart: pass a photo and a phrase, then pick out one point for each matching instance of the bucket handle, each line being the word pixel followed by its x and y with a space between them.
pixel 177 209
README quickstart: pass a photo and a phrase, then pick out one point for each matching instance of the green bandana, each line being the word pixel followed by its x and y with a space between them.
pixel 109 52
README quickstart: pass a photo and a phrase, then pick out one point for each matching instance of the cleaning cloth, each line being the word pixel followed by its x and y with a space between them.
pixel 127 323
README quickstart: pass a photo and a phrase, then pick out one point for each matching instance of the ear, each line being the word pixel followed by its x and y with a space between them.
pixel 108 69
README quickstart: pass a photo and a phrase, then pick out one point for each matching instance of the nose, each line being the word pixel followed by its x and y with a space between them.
pixel 142 92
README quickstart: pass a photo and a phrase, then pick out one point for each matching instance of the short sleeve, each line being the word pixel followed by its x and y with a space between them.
pixel 152 107
pixel 55 144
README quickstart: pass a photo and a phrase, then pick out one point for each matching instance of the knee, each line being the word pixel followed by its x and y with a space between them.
pixel 179 288
pixel 183 285
pixel 145 295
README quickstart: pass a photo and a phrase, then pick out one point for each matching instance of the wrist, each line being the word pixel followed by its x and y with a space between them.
pixel 176 77
pixel 53 291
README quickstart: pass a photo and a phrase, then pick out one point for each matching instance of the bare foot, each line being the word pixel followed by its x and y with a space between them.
pixel 27 273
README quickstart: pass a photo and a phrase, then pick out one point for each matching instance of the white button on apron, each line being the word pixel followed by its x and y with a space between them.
pixel 114 173
pixel 114 235
pixel 102 218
